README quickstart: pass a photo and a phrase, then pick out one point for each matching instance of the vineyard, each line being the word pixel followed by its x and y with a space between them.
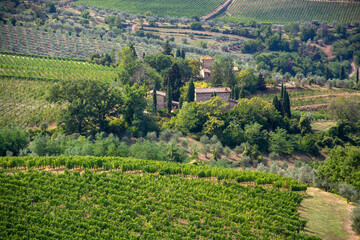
pixel 144 199
pixel 48 42
pixel 44 68
pixel 24 103
pixel 161 8
pixel 63 44
pixel 292 11
pixel 317 99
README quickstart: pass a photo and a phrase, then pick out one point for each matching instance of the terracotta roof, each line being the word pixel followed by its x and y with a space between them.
pixel 211 90
pixel 158 93
pixel 235 69
pixel 206 58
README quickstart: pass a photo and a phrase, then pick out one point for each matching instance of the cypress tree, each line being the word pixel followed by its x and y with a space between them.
pixel 261 83
pixel 178 53
pixel 327 73
pixel 213 94
pixel 342 73
pixel 131 45
pixel 277 104
pixel 173 74
pixel 286 105
pixel 169 97
pixel 167 49
pixel 357 75
pixel 183 54
pixel 154 100
pixel 190 96
pixel 282 92
pixel 241 93
pixel 181 102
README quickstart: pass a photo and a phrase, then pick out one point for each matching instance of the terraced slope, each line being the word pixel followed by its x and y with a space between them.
pixel 283 11
pixel 179 8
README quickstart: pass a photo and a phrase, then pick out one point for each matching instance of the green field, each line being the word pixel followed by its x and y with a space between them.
pixel 179 8
pixel 328 215
pixel 285 11
pixel 139 199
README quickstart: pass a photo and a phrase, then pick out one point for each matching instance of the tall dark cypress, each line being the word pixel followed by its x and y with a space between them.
pixel 167 49
pixel 190 96
pixel 261 83
pixel 286 105
pixel 178 53
pixel 327 73
pixel 282 92
pixel 183 54
pixel 277 104
pixel 154 100
pixel 241 93
pixel 169 97
pixel 357 75
pixel 342 73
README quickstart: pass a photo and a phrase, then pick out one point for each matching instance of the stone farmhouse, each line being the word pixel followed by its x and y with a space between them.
pixel 201 95
pixel 161 100
pixel 204 94
pixel 206 64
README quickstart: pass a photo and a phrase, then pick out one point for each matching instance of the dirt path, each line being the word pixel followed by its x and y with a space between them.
pixel 327 49
pixel 353 70
pixel 328 215
pixel 222 8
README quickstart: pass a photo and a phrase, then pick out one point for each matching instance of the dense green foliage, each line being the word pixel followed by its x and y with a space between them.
pixel 12 140
pixel 89 104
pixel 177 8
pixel 294 11
pixel 343 165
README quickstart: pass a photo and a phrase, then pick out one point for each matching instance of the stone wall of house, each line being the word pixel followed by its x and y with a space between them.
pixel 203 97
pixel 207 63
pixel 161 102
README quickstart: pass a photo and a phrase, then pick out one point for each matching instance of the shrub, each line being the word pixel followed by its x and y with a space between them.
pixel 13 139
pixel 151 136
pixel 165 135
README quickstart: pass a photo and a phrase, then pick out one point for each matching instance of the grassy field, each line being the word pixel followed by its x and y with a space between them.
pixel 328 215
pixel 179 8
pixel 285 11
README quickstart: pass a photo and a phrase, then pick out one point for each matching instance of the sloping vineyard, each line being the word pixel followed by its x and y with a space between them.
pixel 43 68
pixel 160 203
pixel 52 43
pixel 23 103
pixel 296 10
pixel 63 44
pixel 180 8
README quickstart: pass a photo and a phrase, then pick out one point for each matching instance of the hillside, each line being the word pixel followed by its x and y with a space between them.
pixel 179 8
pixel 146 199
pixel 285 11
